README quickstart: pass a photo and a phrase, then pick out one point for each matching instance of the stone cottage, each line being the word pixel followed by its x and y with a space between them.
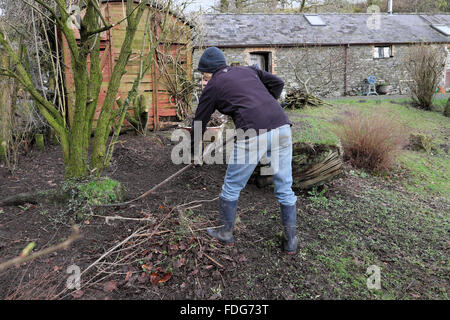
pixel 328 54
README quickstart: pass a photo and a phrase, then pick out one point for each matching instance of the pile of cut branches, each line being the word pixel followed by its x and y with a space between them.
pixel 298 99
pixel 314 165
pixel 217 119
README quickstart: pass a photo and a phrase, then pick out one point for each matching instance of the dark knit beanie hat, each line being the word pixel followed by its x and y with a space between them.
pixel 211 60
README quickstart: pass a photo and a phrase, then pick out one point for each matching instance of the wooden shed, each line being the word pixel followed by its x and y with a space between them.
pixel 159 86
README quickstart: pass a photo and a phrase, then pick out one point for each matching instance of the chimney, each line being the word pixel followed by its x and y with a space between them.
pixel 390 6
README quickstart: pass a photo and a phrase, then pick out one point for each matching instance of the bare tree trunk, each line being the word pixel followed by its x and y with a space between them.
pixel 5 112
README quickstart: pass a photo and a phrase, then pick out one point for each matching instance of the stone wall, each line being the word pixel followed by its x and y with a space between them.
pixel 324 68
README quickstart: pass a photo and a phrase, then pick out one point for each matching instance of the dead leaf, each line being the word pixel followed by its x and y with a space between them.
pixel 209 266
pixel 154 278
pixel 242 258
pixel 165 277
pixel 77 294
pixel 173 247
pixel 145 267
pixel 110 286
pixel 128 276
pixel 56 268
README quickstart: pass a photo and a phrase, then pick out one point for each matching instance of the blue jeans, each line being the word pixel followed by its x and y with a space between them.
pixel 274 147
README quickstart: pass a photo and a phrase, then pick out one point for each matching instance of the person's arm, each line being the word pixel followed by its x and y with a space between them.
pixel 273 83
pixel 205 109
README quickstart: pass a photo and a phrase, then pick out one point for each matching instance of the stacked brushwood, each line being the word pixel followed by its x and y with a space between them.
pixel 314 165
pixel 217 119
pixel 298 99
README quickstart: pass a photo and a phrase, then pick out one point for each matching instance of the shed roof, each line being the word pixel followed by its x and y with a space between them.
pixel 246 30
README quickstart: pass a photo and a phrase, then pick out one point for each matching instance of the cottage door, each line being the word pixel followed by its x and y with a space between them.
pixel 259 60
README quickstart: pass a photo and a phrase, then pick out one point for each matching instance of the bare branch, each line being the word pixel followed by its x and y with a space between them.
pixel 63 245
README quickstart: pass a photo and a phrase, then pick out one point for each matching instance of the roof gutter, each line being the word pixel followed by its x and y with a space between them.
pixel 290 45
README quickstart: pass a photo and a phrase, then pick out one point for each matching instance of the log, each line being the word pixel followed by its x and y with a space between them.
pixel 32 197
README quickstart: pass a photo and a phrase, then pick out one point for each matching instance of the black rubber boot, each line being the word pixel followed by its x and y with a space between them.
pixel 289 221
pixel 227 211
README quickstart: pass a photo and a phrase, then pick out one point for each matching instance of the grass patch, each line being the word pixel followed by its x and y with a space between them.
pixel 378 227
pixel 427 172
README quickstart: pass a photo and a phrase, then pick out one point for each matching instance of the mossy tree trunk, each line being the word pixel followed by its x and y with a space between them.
pixel 75 138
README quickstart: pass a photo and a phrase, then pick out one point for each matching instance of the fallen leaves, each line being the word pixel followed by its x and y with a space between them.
pixel 146 267
pixel 158 277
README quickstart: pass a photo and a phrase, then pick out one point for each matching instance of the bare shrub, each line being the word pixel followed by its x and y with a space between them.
pixel 39 284
pixel 425 65
pixel 19 122
pixel 371 141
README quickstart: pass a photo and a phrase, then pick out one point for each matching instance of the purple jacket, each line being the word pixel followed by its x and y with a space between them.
pixel 247 94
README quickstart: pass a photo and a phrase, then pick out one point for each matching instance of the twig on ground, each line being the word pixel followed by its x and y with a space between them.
pixel 218 264
pixel 63 245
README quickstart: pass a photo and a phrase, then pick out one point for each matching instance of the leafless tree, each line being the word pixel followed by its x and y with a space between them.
pixel 425 65
pixel 315 68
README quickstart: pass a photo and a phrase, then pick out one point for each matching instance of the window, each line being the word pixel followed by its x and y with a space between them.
pixel 314 20
pixel 382 52
pixel 262 59
pixel 442 28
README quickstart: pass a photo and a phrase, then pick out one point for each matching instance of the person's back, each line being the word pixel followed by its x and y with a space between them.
pixel 249 96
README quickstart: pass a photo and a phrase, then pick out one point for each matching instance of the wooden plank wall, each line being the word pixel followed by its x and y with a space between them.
pixel 111 43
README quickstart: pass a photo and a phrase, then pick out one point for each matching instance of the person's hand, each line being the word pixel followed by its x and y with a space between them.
pixel 205 79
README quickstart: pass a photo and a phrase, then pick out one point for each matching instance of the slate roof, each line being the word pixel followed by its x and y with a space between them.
pixel 246 30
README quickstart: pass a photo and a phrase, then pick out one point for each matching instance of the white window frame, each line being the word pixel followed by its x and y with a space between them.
pixel 386 52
